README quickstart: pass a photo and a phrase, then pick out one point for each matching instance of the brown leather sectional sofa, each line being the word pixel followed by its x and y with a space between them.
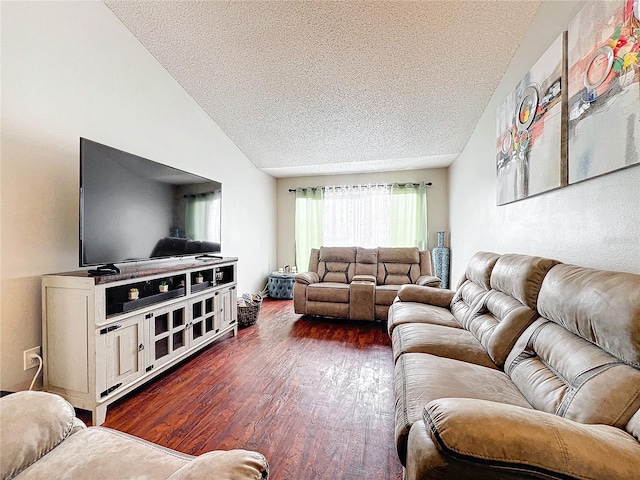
pixel 531 369
pixel 359 283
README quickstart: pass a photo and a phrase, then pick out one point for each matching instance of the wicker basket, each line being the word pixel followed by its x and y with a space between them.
pixel 248 312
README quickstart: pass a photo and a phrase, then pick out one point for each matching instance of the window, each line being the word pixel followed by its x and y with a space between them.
pixel 360 215
pixel 203 216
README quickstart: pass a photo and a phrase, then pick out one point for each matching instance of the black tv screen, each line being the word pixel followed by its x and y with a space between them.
pixel 134 209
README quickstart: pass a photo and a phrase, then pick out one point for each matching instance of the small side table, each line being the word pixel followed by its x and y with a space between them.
pixel 281 285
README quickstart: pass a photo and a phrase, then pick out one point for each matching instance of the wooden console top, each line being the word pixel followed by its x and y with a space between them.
pixel 131 271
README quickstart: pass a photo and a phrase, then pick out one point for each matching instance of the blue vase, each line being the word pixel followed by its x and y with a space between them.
pixel 441 258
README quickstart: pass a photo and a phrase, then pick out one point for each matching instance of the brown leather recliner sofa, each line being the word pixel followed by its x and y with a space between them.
pixel 42 439
pixel 531 369
pixel 359 283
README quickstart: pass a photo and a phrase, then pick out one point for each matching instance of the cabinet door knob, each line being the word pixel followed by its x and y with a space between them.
pixel 140 347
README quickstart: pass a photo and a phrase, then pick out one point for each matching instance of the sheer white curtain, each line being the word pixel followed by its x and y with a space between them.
pixel 356 215
pixel 308 224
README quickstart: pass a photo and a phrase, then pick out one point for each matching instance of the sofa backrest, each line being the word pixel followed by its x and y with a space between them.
pixel 337 264
pixel 474 284
pixel 398 265
pixel 367 261
pixel 500 316
pixel 390 265
pixel 581 358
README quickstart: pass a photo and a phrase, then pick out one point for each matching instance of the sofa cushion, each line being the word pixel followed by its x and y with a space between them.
pixel 498 317
pixel 398 273
pixel 455 343
pixel 337 254
pixel 599 306
pixel 224 465
pixel 552 447
pixel 420 378
pixel 328 292
pixel 402 312
pixel 335 272
pixel 398 255
pixel 479 269
pixel 336 264
pixel 33 423
pixel 424 294
pixel 328 309
pixel 367 261
pixel 473 286
pixel 520 276
pixel 559 372
pixel 386 294
pixel 398 266
pixel 501 320
pixel 101 453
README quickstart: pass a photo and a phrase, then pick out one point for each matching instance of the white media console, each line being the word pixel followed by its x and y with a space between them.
pixel 98 344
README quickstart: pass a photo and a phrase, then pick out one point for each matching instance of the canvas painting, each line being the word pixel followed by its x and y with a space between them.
pixel 531 133
pixel 604 88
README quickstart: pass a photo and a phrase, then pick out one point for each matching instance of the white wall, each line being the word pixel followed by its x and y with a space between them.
pixel 437 198
pixel 595 223
pixel 71 69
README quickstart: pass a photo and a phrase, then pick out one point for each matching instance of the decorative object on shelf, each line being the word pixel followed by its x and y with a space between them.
pixel 287 269
pixel 603 87
pixel 249 308
pixel 441 258
pixel 133 294
pixel 531 147
pixel 294 269
pixel 219 275
pixel 199 278
pixel 164 288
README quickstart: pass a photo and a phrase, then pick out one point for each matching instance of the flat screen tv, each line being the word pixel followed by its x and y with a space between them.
pixel 134 209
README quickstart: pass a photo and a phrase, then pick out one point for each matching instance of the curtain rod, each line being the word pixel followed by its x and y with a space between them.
pixel 203 194
pixel 428 184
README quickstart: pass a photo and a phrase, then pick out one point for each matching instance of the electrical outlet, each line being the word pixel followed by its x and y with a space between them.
pixel 29 358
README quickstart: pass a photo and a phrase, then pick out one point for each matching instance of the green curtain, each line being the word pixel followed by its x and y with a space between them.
pixel 308 224
pixel 408 215
pixel 202 217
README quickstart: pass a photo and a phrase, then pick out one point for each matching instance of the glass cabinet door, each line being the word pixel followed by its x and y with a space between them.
pixel 202 325
pixel 168 336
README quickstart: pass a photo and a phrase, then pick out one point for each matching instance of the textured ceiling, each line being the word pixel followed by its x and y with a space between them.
pixel 319 87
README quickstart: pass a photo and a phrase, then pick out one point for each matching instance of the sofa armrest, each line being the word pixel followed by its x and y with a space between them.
pixel 364 278
pixel 509 437
pixel 430 295
pixel 307 277
pixel 33 423
pixel 224 465
pixel 428 281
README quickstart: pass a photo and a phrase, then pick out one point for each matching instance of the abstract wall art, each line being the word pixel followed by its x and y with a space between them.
pixel 604 88
pixel 531 140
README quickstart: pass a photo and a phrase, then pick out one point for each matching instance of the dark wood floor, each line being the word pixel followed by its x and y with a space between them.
pixel 315 396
